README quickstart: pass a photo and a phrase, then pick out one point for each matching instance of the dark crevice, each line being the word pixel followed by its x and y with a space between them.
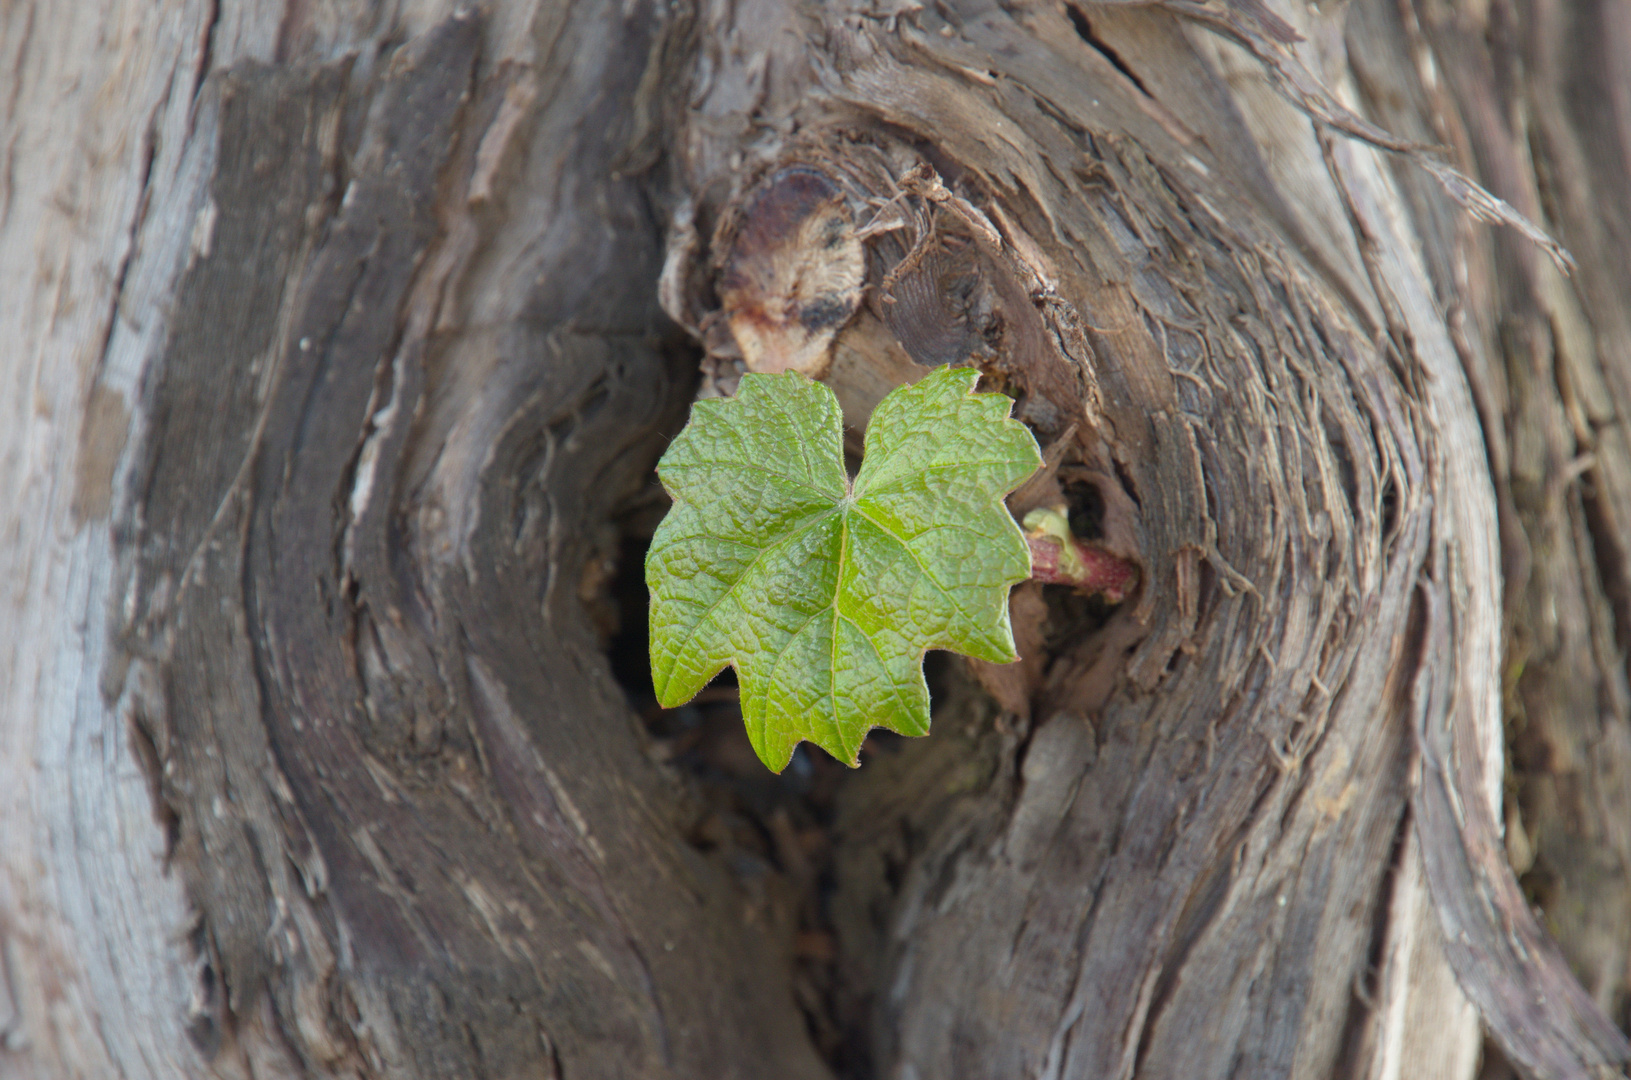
pixel 1390 509
pixel 145 746
pixel 1128 484
pixel 1347 476
pixel 1086 504
pixel 761 826
pixel 753 821
pixel 555 1061
pixel 1367 983
pixel 202 1026
pixel 150 141
pixel 206 59
pixel 1205 900
pixel 756 823
pixel 1084 30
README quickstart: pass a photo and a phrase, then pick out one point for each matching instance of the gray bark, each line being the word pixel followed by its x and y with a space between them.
pixel 336 373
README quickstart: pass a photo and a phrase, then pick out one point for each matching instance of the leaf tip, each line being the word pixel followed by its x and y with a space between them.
pixel 777 753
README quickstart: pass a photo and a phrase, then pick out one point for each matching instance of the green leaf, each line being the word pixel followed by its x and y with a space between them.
pixel 825 594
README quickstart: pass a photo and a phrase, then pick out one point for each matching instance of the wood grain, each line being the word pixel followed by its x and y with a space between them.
pixel 335 364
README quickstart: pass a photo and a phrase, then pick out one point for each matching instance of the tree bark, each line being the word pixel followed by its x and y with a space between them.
pixel 344 338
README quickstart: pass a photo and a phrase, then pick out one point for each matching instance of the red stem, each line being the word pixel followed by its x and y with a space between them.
pixel 1110 576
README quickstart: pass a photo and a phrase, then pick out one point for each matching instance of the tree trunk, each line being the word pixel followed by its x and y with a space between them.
pixel 343 339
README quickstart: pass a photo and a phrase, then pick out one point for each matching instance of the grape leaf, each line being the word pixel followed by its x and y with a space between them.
pixel 823 592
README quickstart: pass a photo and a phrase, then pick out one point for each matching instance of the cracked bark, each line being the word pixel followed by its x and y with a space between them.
pixel 340 366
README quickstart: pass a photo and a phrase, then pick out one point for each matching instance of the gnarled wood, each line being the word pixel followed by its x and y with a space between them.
pixel 338 374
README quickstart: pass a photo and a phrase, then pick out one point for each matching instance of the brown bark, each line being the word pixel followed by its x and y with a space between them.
pixel 363 408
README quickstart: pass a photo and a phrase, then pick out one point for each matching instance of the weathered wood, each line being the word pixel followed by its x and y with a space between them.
pixel 1165 904
pixel 440 815
pixel 1555 382
pixel 336 359
pixel 332 798
pixel 97 190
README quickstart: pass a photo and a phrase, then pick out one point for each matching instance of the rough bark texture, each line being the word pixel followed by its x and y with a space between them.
pixel 335 374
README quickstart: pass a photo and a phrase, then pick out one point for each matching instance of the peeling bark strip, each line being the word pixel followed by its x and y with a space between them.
pixel 384 309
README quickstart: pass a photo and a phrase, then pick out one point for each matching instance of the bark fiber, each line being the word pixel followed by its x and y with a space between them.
pixel 344 338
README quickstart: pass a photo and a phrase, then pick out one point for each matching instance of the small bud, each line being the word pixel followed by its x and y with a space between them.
pixel 1058 558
